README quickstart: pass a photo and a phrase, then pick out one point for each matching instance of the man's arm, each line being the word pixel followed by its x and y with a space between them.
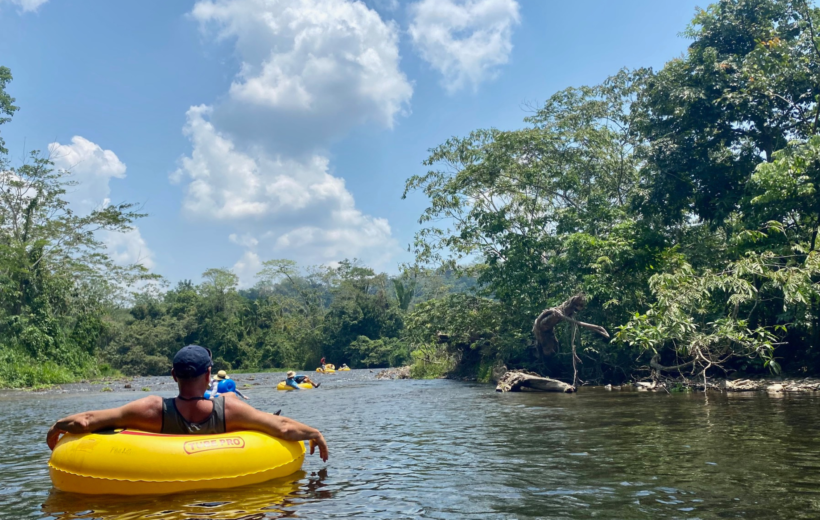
pixel 144 414
pixel 241 416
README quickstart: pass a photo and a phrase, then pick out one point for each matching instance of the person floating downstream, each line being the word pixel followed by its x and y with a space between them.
pixel 221 384
pixel 218 378
pixel 228 385
pixel 295 380
pixel 322 362
pixel 189 412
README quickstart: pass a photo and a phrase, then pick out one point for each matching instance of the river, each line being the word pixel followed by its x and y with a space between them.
pixel 457 450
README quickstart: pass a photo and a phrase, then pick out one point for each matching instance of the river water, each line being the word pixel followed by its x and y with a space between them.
pixel 457 450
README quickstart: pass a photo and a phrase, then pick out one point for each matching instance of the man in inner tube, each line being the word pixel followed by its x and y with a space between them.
pixel 293 380
pixel 189 412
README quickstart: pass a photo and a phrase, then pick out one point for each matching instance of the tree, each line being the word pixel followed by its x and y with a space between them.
pixel 379 353
pixel 360 308
pixel 56 277
pixel 405 290
pixel 731 131
pixel 546 209
pixel 7 107
pixel 55 274
pixel 708 317
pixel 749 84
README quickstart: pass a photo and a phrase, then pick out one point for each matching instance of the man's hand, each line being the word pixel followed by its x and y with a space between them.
pixel 53 436
pixel 240 416
pixel 322 447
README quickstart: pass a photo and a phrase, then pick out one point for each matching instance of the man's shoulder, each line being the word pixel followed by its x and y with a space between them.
pixel 148 408
pixel 149 403
pixel 235 404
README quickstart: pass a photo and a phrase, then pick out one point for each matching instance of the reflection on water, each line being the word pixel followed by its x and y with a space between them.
pixel 273 499
pixel 444 449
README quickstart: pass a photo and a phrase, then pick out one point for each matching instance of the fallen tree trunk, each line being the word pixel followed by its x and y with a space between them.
pixel 519 380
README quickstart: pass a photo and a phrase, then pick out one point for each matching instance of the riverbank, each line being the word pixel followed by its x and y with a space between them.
pixel 138 384
pixel 22 372
pixel 770 385
pixel 394 373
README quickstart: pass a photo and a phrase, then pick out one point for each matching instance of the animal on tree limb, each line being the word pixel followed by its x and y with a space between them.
pixel 544 327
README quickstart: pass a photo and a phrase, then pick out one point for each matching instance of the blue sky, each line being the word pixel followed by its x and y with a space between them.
pixel 309 115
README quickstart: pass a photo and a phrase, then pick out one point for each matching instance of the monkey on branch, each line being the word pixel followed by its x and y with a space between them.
pixel 544 327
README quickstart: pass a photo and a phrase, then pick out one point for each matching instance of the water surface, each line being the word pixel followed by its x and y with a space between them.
pixel 457 450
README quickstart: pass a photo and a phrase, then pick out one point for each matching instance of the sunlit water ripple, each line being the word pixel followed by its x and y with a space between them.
pixel 446 449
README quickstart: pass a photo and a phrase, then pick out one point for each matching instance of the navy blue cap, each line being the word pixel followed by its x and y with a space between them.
pixel 192 361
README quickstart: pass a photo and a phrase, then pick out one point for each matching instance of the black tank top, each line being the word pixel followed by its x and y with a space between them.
pixel 174 423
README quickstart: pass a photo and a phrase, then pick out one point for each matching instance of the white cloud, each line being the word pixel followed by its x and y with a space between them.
pixel 247 267
pixel 284 206
pixel 311 70
pixel 129 248
pixel 91 168
pixel 465 40
pixel 25 5
pixel 245 240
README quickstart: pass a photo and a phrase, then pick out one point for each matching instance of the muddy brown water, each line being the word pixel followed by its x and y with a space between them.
pixel 457 450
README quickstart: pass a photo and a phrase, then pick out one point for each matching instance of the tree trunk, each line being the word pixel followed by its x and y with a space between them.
pixel 544 326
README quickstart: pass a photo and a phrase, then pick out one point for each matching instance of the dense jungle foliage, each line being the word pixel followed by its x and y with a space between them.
pixel 682 202
pixel 290 319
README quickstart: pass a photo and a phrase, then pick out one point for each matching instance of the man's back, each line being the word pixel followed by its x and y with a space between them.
pixel 174 422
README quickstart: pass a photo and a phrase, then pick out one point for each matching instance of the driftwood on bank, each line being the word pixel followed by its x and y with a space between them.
pixel 518 380
pixel 772 386
pixel 544 326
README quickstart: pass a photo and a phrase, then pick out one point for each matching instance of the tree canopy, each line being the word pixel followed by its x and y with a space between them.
pixel 681 201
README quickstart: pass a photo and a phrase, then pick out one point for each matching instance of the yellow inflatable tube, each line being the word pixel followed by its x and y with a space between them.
pixel 130 462
pixel 304 386
pixel 346 369
pixel 326 371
